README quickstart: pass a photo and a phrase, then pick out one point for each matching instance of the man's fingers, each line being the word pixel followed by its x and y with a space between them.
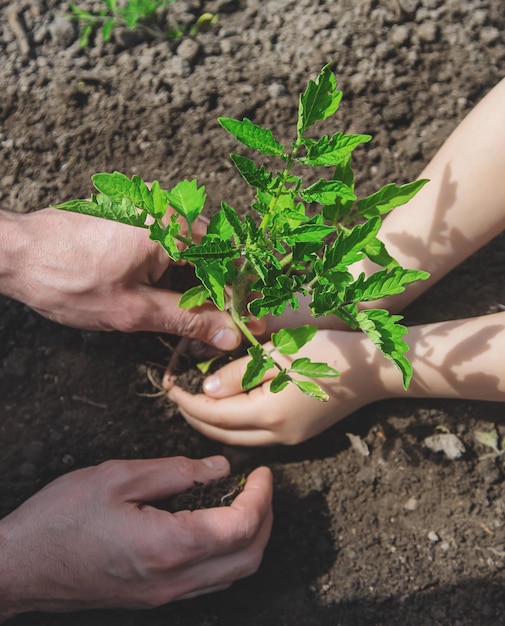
pixel 148 480
pixel 225 543
pixel 160 312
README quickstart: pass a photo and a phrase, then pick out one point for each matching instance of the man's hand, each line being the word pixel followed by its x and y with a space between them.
pixel 88 540
pixel 91 273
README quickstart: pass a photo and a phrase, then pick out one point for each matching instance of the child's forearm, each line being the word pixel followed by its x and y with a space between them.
pixel 455 359
pixel 460 209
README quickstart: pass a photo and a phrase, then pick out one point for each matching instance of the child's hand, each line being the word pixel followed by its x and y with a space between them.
pixel 228 413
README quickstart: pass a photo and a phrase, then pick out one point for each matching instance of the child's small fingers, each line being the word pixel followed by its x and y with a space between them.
pixel 227 381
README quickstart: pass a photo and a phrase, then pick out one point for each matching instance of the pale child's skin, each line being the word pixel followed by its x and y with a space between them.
pixel 461 209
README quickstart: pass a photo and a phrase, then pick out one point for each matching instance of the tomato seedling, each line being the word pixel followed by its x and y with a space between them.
pixel 296 240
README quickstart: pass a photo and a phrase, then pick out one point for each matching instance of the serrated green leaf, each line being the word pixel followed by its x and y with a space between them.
pixel 388 198
pixel 311 389
pixel 253 136
pixel 341 207
pixel 311 231
pixel 257 177
pixel 219 226
pixel 121 211
pixel 376 251
pixel 212 275
pixel 271 302
pixel 320 100
pixel 80 13
pixel 385 332
pixel 257 367
pixel 382 284
pixel 187 199
pixel 166 237
pixel 210 249
pixel 280 382
pixel 234 220
pixel 348 246
pixel 159 201
pixel 327 192
pixel 290 340
pixel 332 151
pixel 305 367
pixel 117 186
pixel 193 297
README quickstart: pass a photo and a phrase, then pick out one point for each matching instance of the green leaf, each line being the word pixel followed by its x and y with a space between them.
pixel 311 369
pixel 348 246
pixel 166 237
pixel 341 207
pixel 271 302
pixel 384 331
pixel 212 275
pixel 312 231
pixel 320 100
pixel 327 192
pixel 252 136
pixel 311 389
pixel 210 249
pixel 193 297
pixel 121 211
pixel 376 251
pixel 187 199
pixel 117 186
pixel 280 382
pixel 159 200
pixel 257 367
pixel 331 151
pixel 290 340
pixel 275 298
pixel 257 177
pixel 234 220
pixel 219 226
pixel 382 284
pixel 388 198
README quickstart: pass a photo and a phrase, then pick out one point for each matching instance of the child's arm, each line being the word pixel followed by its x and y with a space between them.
pixel 455 214
pixel 455 359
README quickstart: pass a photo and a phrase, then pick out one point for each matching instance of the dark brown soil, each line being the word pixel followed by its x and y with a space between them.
pixel 401 536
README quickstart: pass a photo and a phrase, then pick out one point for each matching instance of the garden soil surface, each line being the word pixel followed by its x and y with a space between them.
pixel 401 536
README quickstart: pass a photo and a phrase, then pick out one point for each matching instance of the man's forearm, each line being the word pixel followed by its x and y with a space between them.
pixel 12 244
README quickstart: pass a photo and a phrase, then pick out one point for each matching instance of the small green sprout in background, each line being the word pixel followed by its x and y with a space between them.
pixel 133 14
pixel 286 250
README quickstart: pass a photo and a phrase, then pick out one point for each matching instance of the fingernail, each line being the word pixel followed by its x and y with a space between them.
pixel 211 384
pixel 216 462
pixel 225 339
